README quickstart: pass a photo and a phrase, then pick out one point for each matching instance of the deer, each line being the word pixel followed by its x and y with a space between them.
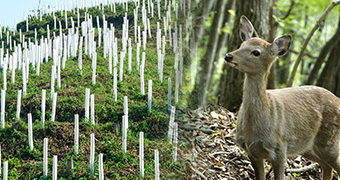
pixel 280 123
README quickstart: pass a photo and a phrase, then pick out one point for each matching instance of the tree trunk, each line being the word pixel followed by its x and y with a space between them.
pixel 222 40
pixel 258 12
pixel 208 60
pixel 279 73
pixel 337 88
pixel 273 27
pixel 322 56
pixel 282 72
pixel 199 19
pixel 329 75
pixel 202 16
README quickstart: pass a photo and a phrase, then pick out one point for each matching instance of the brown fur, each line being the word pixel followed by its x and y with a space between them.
pixel 276 124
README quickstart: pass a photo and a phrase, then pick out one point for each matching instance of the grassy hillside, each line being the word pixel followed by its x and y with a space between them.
pixel 26 164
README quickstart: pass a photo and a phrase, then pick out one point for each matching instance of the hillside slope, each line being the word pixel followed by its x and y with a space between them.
pixel 26 49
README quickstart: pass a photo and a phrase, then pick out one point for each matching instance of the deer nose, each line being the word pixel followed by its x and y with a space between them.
pixel 228 57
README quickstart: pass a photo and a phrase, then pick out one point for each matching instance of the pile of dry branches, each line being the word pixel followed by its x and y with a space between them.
pixel 209 150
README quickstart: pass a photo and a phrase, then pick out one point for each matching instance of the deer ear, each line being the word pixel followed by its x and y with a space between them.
pixel 281 44
pixel 247 30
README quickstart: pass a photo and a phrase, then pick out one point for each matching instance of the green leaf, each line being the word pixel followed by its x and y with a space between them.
pixel 294 174
pixel 226 29
pixel 232 12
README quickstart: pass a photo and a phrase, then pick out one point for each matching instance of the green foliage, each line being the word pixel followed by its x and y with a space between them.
pixel 24 163
pixel 299 23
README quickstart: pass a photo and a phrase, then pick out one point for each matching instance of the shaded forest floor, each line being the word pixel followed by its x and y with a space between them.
pixel 209 150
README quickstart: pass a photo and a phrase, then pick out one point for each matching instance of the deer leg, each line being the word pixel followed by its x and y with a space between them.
pixel 278 163
pixel 326 169
pixel 258 165
pixel 327 172
pixel 329 153
pixel 334 162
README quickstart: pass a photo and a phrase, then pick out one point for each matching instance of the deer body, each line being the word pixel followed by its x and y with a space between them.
pixel 286 120
pixel 276 124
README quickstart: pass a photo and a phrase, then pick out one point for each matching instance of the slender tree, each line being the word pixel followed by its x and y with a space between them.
pixel 331 43
pixel 231 83
pixel 329 77
pixel 207 63
pixel 201 17
pixel 196 36
pixel 222 41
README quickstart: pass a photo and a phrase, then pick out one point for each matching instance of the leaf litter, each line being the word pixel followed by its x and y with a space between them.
pixel 209 151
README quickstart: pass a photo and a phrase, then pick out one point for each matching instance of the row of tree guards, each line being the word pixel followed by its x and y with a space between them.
pixel 88 99
pixel 66 46
pixel 80 39
pixel 172 138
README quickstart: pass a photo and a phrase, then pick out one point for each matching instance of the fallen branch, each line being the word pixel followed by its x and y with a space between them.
pixel 303 169
pixel 231 133
pixel 218 153
pixel 198 172
pixel 318 23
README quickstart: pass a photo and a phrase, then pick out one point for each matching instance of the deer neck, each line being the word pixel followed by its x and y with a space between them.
pixel 254 93
pixel 252 120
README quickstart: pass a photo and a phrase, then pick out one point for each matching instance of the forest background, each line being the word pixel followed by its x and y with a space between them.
pixel 215 31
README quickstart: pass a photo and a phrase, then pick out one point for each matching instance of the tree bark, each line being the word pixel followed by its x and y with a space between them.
pixel 258 12
pixel 202 16
pixel 222 39
pixel 282 72
pixel 329 75
pixel 322 56
pixel 337 88
pixel 199 19
pixel 273 27
pixel 208 60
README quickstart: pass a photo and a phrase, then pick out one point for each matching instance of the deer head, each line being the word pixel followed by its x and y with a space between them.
pixel 255 54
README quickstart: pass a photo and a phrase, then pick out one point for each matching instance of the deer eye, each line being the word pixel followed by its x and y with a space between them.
pixel 256 53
